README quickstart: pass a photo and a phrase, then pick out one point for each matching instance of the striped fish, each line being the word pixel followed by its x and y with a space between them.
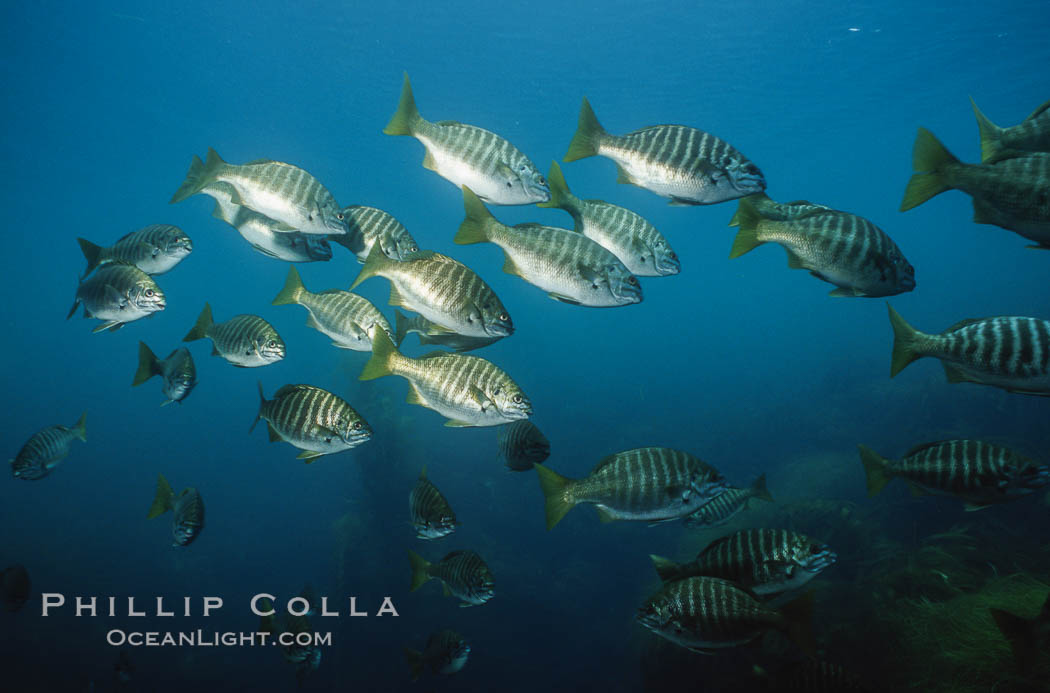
pixel 429 333
pixel 977 472
pixel 350 320
pixel 246 341
pixel 178 372
pixel 118 293
pixel 263 233
pixel 1010 190
pixel 432 516
pixel 1031 135
pixel 842 249
pixel 778 211
pixel 280 191
pixel 654 484
pixel 1008 352
pixel 154 249
pixel 46 448
pixel 690 166
pixel 463 575
pixel 446 653
pixel 728 504
pixel 706 613
pixel 569 266
pixel 467 155
pixel 639 246
pixel 469 390
pixel 522 445
pixel 188 519
pixel 445 292
pixel 765 561
pixel 313 420
pixel 369 225
pixel 817 676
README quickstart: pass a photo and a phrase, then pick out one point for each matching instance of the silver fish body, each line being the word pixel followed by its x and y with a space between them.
pixel 463 573
pixel 178 372
pixel 246 341
pixel 467 155
pixel 522 445
pixel 45 449
pixel 446 652
pixel 728 504
pixel 431 333
pixel 313 420
pixel 188 517
pixel 369 226
pixel 432 516
pixel 154 249
pixel 118 293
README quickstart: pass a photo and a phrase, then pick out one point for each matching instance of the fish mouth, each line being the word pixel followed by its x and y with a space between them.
pixel 749 183
pixel 1036 477
pixel 907 282
pixel 538 193
pixel 522 410
pixel 337 227
pixel 629 293
pixel 499 328
pixel 668 265
pixel 820 560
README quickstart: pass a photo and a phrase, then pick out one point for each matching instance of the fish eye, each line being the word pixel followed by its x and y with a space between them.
pixel 272 343
pixel 673 256
pixel 504 316
pixel 542 180
pixel 339 216
pixel 149 293
pixel 310 217
pixel 357 425
pixel 517 399
pixel 631 280
pixel 509 184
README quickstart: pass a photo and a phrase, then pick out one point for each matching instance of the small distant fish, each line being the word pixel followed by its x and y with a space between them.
pixel 728 504
pixel 979 473
pixel 432 516
pixel 280 191
pixel 706 614
pixel 462 573
pixel 15 587
pixel 444 291
pixel 468 155
pixel 1010 190
pixel 178 373
pixel 430 333
pixel 246 341
pixel 690 166
pixel 765 561
pixel 263 233
pixel 816 676
pixel 842 249
pixel 569 266
pixel 522 445
pixel 778 211
pixel 305 657
pixel 639 246
pixel 468 390
pixel 1029 637
pixel 369 225
pixel 46 448
pixel 654 484
pixel 446 653
pixel 188 520
pixel 1032 135
pixel 350 320
pixel 313 420
pixel 1012 353
pixel 154 249
pixel 118 293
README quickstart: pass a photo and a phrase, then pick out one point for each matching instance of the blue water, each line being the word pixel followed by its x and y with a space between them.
pixel 744 363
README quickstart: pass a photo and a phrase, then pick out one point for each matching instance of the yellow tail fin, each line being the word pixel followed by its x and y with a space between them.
pixel 293 289
pixel 588 134
pixel 904 343
pixel 162 501
pixel 148 365
pixel 555 487
pixel 929 157
pixel 407 117
pixel 474 227
pixel 874 468
pixel 420 573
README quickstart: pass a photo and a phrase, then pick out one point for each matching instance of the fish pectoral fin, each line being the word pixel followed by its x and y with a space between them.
pixel 505 171
pixel 309 456
pixel 435 330
pixel 604 515
pixel 451 423
pixel 396 299
pixel 483 400
pixel 282 226
pixel 428 161
pixel 264 251
pixel 564 299
pixel 588 273
pixel 275 437
pixel 115 296
pixel 111 325
pixel 682 202
pixel 972 507
pixel 845 293
pixel 954 374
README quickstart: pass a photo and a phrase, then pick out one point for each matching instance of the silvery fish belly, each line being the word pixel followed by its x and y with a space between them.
pixel 280 191
pixel 154 249
pixel 179 374
pixel 313 420
pixel 466 575
pixel 442 290
pixel 649 484
pixel 467 155
pixel 118 293
pixel 1008 352
pixel 45 449
pixel 263 233
pixel 430 333
pixel 246 341
pixel 690 166
pixel 766 561
pixel 432 516
pixel 189 517
pixel 369 226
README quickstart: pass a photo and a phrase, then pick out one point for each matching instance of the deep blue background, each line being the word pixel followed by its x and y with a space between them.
pixel 744 363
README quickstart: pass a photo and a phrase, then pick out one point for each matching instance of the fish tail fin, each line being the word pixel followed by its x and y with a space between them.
pixel 415 662
pixel 667 569
pixel 588 134
pixel 374 264
pixel 747 218
pixel 401 326
pixel 200 328
pixel 383 355
pixel 559 188
pixel 148 365
pixel 80 427
pixel 406 118
pixel 420 572
pixel 874 468
pixel 1019 633
pixel 735 220
pixel 293 289
pixel 262 403
pixel 92 253
pixel 555 489
pixel 162 500
pixel 905 343
pixel 798 622
pixel 760 490
pixel 474 226
pixel 929 157
pixel 200 174
pixel 989 131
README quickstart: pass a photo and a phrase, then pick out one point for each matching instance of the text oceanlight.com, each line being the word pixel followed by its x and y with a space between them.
pixel 201 638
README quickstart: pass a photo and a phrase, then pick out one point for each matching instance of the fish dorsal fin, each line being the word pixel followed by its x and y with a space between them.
pixel 1039 111
pixel 257 162
pixel 289 389
pixel 963 323
pixel 926 446
pixel 1005 155
pixel 450 122
pixel 604 461
pixel 432 355
pixel 715 543
pixel 452 554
